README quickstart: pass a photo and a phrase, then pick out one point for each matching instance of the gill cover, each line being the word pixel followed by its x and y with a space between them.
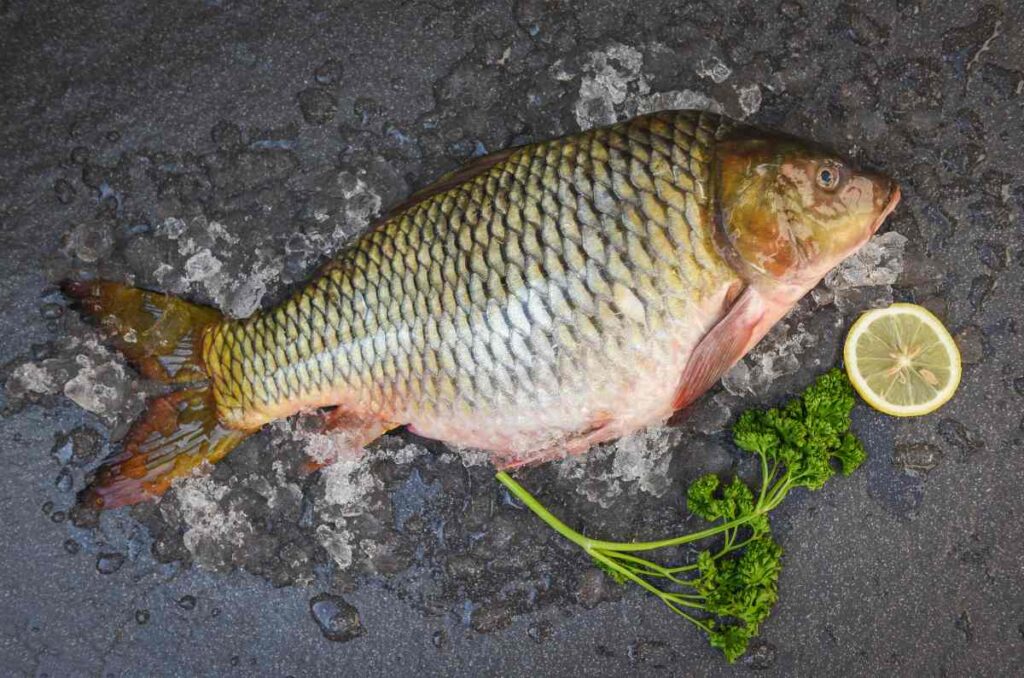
pixel 749 221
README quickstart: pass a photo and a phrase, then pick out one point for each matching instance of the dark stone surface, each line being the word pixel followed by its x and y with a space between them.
pixel 222 150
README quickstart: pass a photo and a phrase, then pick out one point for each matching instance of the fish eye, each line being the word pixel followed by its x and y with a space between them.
pixel 828 177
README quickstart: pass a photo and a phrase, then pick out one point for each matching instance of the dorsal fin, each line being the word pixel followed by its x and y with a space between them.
pixel 470 170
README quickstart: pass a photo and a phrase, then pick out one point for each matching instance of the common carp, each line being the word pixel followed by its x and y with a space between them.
pixel 534 303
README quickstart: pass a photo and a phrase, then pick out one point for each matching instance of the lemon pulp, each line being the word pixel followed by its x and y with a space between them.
pixel 902 360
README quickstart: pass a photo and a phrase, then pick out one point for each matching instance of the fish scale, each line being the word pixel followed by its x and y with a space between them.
pixel 567 258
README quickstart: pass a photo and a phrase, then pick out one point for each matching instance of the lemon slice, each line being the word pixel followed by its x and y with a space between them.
pixel 902 360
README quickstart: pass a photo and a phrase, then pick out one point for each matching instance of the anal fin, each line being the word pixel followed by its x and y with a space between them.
pixel 349 433
pixel 601 429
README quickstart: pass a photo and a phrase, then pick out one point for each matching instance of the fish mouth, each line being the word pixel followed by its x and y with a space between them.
pixel 894 199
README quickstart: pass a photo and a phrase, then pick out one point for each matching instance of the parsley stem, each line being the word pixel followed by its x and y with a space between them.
pixel 683 568
pixel 764 477
pixel 591 544
pixel 703 625
pixel 639 561
pixel 632 576
pixel 646 568
pixel 735 547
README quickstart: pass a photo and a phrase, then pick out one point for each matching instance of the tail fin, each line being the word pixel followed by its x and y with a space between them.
pixel 162 336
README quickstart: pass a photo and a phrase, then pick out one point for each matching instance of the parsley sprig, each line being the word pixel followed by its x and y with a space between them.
pixel 732 586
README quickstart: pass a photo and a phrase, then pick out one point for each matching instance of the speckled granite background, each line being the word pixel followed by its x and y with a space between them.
pixel 221 150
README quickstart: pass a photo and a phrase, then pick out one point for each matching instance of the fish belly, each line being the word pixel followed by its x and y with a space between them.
pixel 612 397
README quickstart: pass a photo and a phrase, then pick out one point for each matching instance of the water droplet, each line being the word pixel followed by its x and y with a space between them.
pixel 338 620
pixel 366 110
pixel 791 10
pixel 965 626
pixel 51 311
pixel 42 351
pixel 539 632
pixel 656 653
pixel 971 343
pixel 958 436
pixel 760 655
pixel 80 155
pixel 64 480
pixel 80 446
pixel 109 563
pixel 593 588
pixel 328 72
pixel 490 618
pixel 227 135
pixel 65 191
pixel 58 516
pixel 72 546
pixel 916 457
pixel 317 106
pixel 187 602
pixel 142 616
pixel 84 516
pixel 981 287
pixel 47 508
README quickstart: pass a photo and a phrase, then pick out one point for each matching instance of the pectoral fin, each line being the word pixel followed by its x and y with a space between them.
pixel 746 323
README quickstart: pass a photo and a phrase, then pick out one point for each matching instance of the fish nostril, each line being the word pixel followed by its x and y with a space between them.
pixel 853 196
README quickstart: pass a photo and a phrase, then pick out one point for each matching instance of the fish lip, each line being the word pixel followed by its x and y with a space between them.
pixel 894 198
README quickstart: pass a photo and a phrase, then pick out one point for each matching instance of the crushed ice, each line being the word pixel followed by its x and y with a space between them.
pixel 676 99
pixel 609 76
pixel 639 460
pixel 85 371
pixel 362 204
pixel 208 525
pixel 348 484
pixel 862 281
pixel 714 69
pixel 99 388
pixel 778 355
pixel 750 99
pixel 865 279
pixel 208 245
pixel 31 378
pixel 613 86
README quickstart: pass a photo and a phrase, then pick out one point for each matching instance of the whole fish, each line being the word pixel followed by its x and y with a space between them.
pixel 534 303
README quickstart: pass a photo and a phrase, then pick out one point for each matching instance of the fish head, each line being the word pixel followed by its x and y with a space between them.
pixel 789 211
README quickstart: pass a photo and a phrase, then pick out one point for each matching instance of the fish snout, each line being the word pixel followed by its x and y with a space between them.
pixel 886 196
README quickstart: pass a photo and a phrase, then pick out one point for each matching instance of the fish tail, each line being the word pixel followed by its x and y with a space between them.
pixel 162 336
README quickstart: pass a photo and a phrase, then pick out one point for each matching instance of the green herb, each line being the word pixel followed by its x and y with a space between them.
pixel 731 588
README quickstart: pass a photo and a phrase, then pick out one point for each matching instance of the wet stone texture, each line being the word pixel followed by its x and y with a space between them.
pixel 222 151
